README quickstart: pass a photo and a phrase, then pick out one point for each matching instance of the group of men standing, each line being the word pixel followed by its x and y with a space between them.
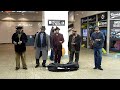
pixel 43 43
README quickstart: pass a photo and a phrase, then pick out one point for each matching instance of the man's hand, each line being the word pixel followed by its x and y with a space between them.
pixel 60 41
pixel 97 39
pixel 19 42
pixel 73 43
pixel 15 43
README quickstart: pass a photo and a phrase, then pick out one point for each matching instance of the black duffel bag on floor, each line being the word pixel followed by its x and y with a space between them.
pixel 55 67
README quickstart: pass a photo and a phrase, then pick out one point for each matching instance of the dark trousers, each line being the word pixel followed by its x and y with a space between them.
pixel 52 55
pixel 37 60
pixel 58 54
pixel 97 57
pixel 71 56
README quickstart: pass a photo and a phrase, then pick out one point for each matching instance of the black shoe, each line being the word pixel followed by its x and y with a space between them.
pixel 17 68
pixel 100 68
pixel 43 64
pixel 69 62
pixel 95 68
pixel 37 66
pixel 25 68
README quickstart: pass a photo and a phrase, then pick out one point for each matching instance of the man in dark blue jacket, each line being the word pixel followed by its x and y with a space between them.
pixel 98 43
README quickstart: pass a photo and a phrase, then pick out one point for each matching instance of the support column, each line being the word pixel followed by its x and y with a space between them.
pixel 57 15
pixel 108 32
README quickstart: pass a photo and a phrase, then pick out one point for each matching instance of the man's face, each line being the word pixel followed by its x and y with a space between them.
pixel 19 30
pixel 74 32
pixel 54 31
pixel 57 31
pixel 97 30
pixel 42 30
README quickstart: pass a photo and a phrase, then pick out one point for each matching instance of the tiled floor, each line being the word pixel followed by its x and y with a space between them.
pixel 111 66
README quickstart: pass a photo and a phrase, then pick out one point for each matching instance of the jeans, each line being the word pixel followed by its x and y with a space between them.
pixel 52 55
pixel 97 57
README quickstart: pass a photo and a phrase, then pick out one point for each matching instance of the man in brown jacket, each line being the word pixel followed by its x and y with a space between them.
pixel 58 39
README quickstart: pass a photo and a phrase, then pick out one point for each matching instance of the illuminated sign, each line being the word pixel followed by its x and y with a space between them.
pixel 56 22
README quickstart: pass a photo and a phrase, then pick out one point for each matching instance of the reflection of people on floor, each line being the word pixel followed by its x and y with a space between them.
pixel 42 45
pixel 19 40
pixel 98 43
pixel 74 44
pixel 58 39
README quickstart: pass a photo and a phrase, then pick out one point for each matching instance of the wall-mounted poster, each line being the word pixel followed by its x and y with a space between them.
pixel 56 22
pixel 115 31
pixel 85 32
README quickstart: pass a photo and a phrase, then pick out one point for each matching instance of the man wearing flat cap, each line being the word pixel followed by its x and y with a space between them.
pixel 58 40
pixel 19 39
pixel 74 44
pixel 42 45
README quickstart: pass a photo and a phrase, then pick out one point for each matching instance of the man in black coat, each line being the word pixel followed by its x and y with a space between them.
pixel 74 44
pixel 19 40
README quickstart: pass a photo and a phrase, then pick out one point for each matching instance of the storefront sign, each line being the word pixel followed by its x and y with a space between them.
pixel 84 20
pixel 102 16
pixel 102 24
pixel 92 18
pixel 114 14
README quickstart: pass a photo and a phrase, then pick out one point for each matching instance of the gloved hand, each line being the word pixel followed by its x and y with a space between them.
pixel 15 43
pixel 19 42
